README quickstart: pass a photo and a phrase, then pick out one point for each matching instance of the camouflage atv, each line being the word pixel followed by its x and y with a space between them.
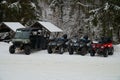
pixel 26 39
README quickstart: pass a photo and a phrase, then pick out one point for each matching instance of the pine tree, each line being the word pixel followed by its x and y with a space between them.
pixel 57 8
pixel 23 11
pixel 106 18
pixel 3 10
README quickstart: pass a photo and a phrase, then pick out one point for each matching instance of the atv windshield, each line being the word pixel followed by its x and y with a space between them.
pixel 22 34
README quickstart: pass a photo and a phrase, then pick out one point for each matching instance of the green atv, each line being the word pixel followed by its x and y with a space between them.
pixel 27 39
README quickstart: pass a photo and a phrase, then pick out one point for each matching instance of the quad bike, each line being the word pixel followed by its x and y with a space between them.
pixel 56 45
pixel 78 46
pixel 104 49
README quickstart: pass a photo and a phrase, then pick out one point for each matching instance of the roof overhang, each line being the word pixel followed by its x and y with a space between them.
pixel 49 26
pixel 13 25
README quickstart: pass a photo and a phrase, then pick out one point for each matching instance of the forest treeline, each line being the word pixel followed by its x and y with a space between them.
pixel 76 17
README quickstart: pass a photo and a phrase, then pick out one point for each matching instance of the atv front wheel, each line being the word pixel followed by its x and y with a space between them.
pixel 61 50
pixel 92 53
pixel 12 49
pixel 71 50
pixel 27 50
pixel 49 49
pixel 83 51
pixel 105 53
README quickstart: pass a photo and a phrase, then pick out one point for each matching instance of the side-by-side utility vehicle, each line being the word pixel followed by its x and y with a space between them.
pixel 26 39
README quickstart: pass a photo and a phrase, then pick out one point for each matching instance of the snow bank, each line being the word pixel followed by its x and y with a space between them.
pixel 43 66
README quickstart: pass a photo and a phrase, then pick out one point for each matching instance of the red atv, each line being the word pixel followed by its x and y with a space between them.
pixel 104 49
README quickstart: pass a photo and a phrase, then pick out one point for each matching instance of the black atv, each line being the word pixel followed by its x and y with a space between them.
pixel 77 45
pixel 56 45
pixel 26 39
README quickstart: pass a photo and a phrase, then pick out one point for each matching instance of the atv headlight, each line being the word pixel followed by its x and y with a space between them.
pixel 66 43
pixel 81 45
pixel 71 44
pixel 58 44
pixel 26 41
pixel 93 46
pixel 88 44
pixel 102 47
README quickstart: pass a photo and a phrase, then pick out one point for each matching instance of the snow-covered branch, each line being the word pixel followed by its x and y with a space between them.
pixel 83 4
pixel 16 4
pixel 3 2
pixel 117 7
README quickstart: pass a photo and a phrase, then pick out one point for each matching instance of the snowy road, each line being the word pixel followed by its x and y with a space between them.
pixel 43 66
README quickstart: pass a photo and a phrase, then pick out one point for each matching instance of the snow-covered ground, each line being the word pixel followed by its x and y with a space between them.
pixel 43 66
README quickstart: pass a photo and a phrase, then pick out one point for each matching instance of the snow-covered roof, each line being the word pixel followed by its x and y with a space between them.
pixel 49 26
pixel 13 25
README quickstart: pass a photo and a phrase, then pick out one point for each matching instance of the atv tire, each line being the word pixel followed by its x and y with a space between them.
pixel 71 51
pixel 92 53
pixel 105 53
pixel 83 51
pixel 61 50
pixel 111 51
pixel 49 49
pixel 12 49
pixel 27 50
